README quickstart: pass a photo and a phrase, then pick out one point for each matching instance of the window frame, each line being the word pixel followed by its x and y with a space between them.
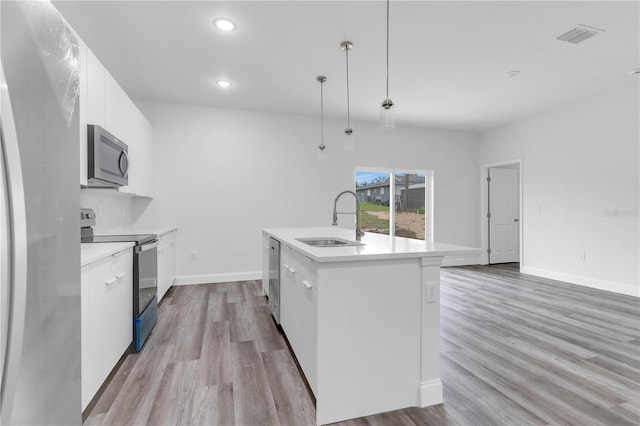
pixel 428 196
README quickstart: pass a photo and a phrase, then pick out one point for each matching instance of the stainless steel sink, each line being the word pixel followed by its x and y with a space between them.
pixel 328 242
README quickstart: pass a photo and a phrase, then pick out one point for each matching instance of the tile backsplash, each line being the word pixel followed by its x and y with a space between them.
pixel 114 210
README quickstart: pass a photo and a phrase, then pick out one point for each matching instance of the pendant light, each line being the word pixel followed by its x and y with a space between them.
pixel 386 108
pixel 321 155
pixel 349 144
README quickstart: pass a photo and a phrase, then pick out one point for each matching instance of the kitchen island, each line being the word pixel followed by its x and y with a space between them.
pixel 363 319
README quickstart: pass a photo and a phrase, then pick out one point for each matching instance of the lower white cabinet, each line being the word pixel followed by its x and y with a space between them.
pixel 106 320
pixel 299 309
pixel 166 262
pixel 265 263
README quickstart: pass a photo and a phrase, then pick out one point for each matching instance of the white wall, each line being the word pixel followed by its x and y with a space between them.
pixel 580 189
pixel 222 175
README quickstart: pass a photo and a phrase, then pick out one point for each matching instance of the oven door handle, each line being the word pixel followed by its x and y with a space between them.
pixel 145 247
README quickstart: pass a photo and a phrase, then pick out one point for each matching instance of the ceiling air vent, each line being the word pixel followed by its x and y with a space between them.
pixel 579 34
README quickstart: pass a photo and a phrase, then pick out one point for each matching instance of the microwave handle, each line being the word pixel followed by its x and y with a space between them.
pixel 124 170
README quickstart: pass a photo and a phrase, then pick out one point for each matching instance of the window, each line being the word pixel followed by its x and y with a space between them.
pixel 407 209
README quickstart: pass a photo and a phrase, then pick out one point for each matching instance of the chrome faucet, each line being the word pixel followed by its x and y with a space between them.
pixel 359 232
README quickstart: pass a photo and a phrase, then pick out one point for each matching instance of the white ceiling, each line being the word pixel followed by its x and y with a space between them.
pixel 448 68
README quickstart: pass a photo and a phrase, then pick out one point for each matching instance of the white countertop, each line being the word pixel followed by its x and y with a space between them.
pixel 375 247
pixel 91 252
pixel 159 231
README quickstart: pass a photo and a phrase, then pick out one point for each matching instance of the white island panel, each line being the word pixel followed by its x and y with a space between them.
pixel 363 320
pixel 369 338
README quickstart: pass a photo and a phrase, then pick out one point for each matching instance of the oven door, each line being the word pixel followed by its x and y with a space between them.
pixel 147 276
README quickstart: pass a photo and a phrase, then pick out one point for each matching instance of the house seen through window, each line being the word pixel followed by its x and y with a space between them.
pixel 396 202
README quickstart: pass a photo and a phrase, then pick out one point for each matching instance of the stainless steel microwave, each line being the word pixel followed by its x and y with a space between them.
pixel 108 162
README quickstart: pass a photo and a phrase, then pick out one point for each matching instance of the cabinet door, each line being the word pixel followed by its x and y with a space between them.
pixel 143 174
pixel 86 373
pixel 166 263
pixel 118 111
pixel 289 315
pixel 107 329
pixel 306 352
pixel 298 309
pixel 172 255
pixel 139 137
pixel 82 112
pixel 95 90
pixel 163 265
pixel 265 264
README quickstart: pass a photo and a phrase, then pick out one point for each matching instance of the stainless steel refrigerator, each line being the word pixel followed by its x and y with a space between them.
pixel 40 268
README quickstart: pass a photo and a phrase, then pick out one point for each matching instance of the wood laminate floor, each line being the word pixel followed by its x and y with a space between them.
pixel 515 350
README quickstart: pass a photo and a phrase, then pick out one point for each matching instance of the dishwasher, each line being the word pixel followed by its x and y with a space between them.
pixel 274 278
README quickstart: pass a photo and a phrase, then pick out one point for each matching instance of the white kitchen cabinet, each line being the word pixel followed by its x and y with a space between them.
pixel 166 262
pixel 91 101
pixel 82 111
pixel 106 315
pixel 124 120
pixel 95 102
pixel 105 103
pixel 265 264
pixel 299 307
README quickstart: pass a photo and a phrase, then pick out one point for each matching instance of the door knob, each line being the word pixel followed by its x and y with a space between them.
pixel 516 220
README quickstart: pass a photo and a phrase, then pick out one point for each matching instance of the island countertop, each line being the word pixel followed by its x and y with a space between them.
pixel 374 247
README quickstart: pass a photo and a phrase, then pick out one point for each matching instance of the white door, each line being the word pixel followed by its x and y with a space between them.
pixel 503 220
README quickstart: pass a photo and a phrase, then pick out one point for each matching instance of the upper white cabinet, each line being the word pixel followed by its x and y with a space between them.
pixel 82 111
pixel 95 102
pixel 103 102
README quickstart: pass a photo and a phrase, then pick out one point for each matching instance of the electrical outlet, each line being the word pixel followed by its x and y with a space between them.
pixel 583 255
pixel 193 255
pixel 431 292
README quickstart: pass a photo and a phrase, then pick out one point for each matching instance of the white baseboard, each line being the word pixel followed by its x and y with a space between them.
pixel 614 287
pixel 218 278
pixel 431 393
pixel 461 260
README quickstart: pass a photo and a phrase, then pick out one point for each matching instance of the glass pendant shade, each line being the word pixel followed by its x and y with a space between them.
pixel 322 154
pixel 349 139
pixel 387 121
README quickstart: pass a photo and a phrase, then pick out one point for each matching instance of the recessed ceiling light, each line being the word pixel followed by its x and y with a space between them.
pixel 223 83
pixel 224 24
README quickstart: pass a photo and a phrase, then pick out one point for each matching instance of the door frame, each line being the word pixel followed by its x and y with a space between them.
pixel 484 202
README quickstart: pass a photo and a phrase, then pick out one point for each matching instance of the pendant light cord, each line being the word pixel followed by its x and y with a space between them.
pixel 321 113
pixel 346 51
pixel 387 49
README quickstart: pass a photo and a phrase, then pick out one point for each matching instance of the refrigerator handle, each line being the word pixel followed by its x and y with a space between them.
pixel 17 251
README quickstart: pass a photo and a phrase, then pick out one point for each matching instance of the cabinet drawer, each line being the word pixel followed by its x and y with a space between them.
pixel 108 271
pixel 299 265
